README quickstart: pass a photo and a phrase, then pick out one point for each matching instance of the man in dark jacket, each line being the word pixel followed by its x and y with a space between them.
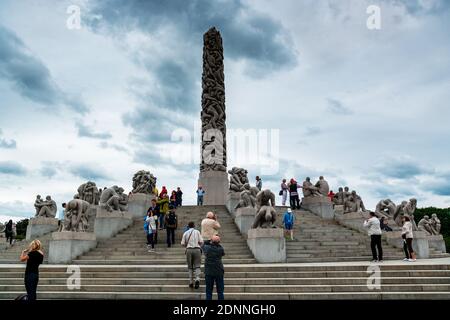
pixel 171 223
pixel 214 267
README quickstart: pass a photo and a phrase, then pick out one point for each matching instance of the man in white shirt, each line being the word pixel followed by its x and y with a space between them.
pixel 210 226
pixel 192 240
pixel 374 231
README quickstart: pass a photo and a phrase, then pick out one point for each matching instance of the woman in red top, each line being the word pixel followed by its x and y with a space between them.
pixel 163 192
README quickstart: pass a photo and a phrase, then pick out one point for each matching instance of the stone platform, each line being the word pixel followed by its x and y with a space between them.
pixel 244 218
pixel 267 245
pixel 232 201
pixel 39 226
pixel 108 224
pixel 321 206
pixel 138 204
pixel 67 245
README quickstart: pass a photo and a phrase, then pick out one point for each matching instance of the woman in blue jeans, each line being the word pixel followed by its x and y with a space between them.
pixel 34 257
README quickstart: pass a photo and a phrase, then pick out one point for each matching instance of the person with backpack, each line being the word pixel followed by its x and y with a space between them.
pixel 288 222
pixel 171 222
pixel 156 213
pixel 150 230
pixel 34 257
pixel 192 240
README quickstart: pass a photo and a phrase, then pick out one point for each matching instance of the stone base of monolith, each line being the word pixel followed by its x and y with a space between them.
pixel 244 218
pixel 437 242
pixel 420 242
pixel 267 245
pixel 215 184
pixel 39 226
pixel 108 224
pixel 138 204
pixel 232 201
pixel 321 206
pixel 67 245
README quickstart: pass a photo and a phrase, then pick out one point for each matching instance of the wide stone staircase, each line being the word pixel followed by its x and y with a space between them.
pixel 319 240
pixel 121 267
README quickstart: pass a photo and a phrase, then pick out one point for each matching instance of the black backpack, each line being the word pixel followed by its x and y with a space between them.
pixel 172 219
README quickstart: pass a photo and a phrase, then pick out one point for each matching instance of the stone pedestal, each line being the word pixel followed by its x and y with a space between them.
pixel 67 245
pixel 244 219
pixel 267 245
pixel 420 242
pixel 138 204
pixel 215 184
pixel 39 226
pixel 437 242
pixel 91 213
pixel 339 208
pixel 321 206
pixel 108 224
pixel 232 201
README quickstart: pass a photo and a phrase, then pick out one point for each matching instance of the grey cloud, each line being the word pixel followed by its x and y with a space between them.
pixel 12 168
pixel 29 76
pixel 16 209
pixel 419 7
pixel 106 145
pixel 312 131
pixel 88 172
pixel 85 131
pixel 402 168
pixel 335 106
pixel 49 169
pixel 7 143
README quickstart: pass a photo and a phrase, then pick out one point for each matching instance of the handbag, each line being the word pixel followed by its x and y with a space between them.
pixel 280 193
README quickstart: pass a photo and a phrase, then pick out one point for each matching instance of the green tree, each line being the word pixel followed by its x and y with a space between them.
pixel 21 229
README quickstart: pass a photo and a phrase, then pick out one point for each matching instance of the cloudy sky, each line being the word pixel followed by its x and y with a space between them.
pixel 365 108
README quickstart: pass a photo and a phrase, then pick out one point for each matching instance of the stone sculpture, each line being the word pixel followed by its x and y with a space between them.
pixel 338 198
pixel 322 186
pixel 435 224
pixel 309 190
pixel 213 155
pixel 248 197
pixel 425 225
pixel 89 192
pixel 386 208
pixel 354 203
pixel 265 211
pixel 143 182
pixel 45 208
pixel 114 199
pixel 75 218
pixel 238 178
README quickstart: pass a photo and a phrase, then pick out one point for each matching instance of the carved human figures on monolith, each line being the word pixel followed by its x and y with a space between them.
pixel 143 182
pixel 75 218
pixel 238 178
pixel 45 208
pixel 213 155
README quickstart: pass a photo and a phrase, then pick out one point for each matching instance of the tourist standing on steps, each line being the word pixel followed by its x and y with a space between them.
pixel 193 241
pixel 163 203
pixel 34 257
pixel 258 183
pixel 288 222
pixel 214 270
pixel 171 222
pixel 210 227
pixel 374 231
pixel 163 192
pixel 173 198
pixel 156 213
pixel 200 193
pixel 284 192
pixel 407 235
pixel 179 197
pixel 9 235
pixel 150 230
pixel 293 195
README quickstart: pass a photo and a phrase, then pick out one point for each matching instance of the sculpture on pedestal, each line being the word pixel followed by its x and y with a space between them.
pixel 354 203
pixel 89 192
pixel 143 182
pixel 435 224
pixel 309 190
pixel 265 211
pixel 75 218
pixel 213 150
pixel 113 199
pixel 248 197
pixel 238 178
pixel 322 186
pixel 338 198
pixel 45 208
pixel 425 225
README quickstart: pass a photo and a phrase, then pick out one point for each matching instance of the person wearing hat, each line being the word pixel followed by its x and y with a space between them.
pixel 288 222
pixel 214 270
pixel 171 223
